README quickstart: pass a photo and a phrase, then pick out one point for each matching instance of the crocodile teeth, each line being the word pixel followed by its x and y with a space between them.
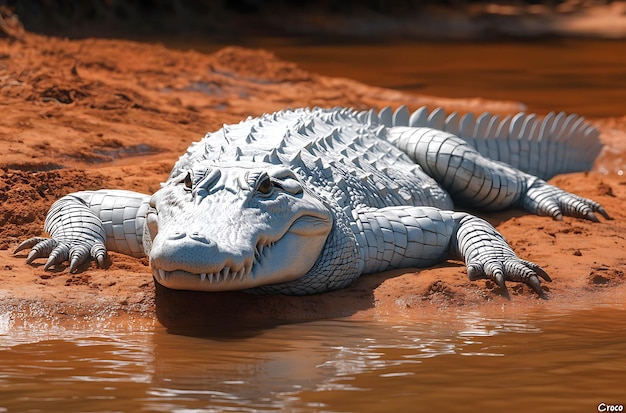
pixel 224 275
pixel 239 275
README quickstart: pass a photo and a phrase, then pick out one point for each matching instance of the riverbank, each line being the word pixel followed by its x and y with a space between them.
pixel 95 113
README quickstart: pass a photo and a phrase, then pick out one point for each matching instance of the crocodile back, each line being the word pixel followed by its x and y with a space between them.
pixel 340 153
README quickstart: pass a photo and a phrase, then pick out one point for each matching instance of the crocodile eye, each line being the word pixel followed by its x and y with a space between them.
pixel 188 182
pixel 264 185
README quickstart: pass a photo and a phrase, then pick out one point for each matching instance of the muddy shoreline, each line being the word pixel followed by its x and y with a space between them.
pixel 95 113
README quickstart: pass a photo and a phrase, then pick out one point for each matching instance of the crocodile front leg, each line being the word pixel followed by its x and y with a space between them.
pixel 83 225
pixel 404 236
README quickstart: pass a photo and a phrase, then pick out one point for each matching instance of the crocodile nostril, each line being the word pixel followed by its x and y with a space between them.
pixel 177 235
pixel 196 236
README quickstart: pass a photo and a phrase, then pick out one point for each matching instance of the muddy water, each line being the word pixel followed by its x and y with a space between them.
pixel 586 77
pixel 576 76
pixel 540 359
pixel 544 361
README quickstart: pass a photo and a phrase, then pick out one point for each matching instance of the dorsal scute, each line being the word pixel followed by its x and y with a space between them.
pixel 323 146
pixel 542 146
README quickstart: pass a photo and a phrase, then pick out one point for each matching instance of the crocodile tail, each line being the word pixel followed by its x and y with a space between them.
pixel 555 144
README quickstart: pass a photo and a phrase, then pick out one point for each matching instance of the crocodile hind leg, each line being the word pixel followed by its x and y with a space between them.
pixel 406 236
pixel 480 182
pixel 84 225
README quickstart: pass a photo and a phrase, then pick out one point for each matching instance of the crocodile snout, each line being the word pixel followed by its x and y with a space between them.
pixel 193 252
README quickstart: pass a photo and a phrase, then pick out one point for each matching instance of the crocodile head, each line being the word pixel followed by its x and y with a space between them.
pixel 218 228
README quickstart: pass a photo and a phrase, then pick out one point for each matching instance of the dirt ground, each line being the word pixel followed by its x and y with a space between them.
pixel 89 114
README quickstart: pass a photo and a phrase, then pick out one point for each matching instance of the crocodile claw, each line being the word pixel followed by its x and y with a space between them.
pixel 535 284
pixel 537 270
pixel 548 200
pixel 78 256
pixel 40 247
pixel 29 243
pixel 99 253
pixel 48 248
pixel 59 251
pixel 498 277
pixel 57 256
pixel 603 212
pixel 513 269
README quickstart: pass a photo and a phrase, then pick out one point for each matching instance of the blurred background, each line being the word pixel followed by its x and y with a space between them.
pixel 565 55
pixel 330 19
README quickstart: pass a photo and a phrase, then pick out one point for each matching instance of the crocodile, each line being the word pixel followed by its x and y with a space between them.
pixel 305 201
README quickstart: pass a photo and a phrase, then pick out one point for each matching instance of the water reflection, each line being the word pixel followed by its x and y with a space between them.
pixel 546 361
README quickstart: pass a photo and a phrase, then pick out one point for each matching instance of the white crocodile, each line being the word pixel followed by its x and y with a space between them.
pixel 305 201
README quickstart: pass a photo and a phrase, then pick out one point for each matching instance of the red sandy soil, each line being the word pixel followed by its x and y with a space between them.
pixel 94 114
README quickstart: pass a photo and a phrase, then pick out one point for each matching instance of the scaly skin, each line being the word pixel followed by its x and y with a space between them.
pixel 305 201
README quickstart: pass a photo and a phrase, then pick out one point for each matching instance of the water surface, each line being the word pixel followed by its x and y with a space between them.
pixel 584 76
pixel 541 361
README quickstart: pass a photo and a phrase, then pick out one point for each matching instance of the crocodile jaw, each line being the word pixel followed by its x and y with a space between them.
pixel 286 259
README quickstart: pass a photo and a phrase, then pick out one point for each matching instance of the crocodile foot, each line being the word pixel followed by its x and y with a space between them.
pixel 59 251
pixel 511 269
pixel 548 200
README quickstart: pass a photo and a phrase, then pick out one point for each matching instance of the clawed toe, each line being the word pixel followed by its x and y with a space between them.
pixel 537 270
pixel 544 199
pixel 603 212
pixel 511 270
pixel 499 279
pixel 99 253
pixel 40 247
pixel 535 284
pixel 58 251
pixel 79 255
pixel 57 256
pixel 29 243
